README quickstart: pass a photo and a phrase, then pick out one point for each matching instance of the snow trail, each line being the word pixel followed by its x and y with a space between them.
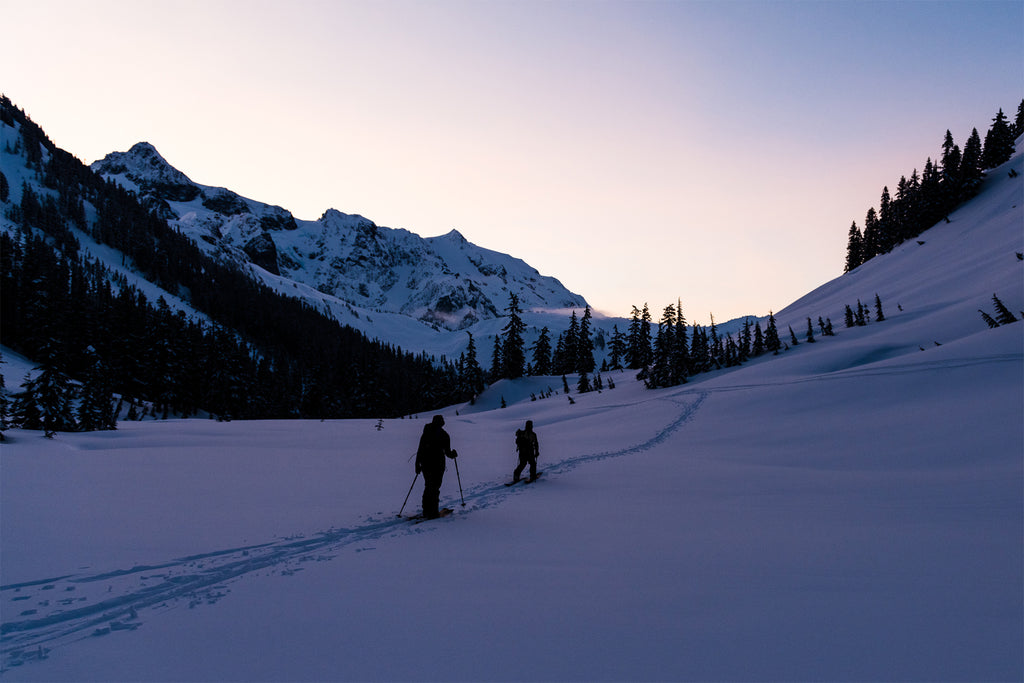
pixel 73 607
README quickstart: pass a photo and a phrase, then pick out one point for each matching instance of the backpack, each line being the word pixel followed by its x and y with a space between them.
pixel 523 443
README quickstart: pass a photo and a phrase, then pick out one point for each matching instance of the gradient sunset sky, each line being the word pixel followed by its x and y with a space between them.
pixel 714 152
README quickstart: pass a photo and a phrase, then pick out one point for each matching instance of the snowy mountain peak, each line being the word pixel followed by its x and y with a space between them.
pixel 456 237
pixel 146 168
pixel 442 282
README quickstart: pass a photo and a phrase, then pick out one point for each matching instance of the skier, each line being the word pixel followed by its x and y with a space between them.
pixel 435 445
pixel 529 449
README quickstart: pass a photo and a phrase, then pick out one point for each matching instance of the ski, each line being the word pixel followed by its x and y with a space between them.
pixel 527 480
pixel 416 519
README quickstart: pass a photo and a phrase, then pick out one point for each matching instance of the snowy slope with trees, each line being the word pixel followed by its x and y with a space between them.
pixel 850 509
pixel 444 282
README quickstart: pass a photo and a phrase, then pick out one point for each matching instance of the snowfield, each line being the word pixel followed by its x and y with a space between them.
pixel 850 510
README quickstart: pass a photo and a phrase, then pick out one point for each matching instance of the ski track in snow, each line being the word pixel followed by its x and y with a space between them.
pixel 45 614
pixel 48 613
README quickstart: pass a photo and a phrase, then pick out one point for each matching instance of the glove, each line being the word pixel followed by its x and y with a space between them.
pixel 454 454
pixel 418 468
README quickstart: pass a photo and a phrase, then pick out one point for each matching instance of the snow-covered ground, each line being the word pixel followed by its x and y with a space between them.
pixel 850 510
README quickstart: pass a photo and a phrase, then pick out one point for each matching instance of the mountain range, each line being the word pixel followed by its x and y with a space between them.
pixel 444 283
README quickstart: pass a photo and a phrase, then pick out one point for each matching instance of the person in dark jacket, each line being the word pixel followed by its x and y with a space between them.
pixel 529 450
pixel 435 446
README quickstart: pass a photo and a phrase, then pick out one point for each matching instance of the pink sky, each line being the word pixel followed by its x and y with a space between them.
pixel 639 151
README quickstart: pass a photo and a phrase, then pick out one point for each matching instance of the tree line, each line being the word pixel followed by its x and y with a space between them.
pixel 923 200
pixel 258 354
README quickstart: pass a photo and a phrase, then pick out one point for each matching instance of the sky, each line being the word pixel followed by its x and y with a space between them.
pixel 641 152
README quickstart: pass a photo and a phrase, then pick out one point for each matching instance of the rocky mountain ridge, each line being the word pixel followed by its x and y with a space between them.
pixel 445 282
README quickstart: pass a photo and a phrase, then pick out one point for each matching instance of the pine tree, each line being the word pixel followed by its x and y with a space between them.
pixel 680 361
pixel 950 168
pixel 616 348
pixel 771 336
pixel 572 346
pixel 54 397
pixel 96 409
pixel 664 345
pixel 998 143
pixel 583 386
pixel 496 360
pixel 810 332
pixel 585 351
pixel 849 316
pixel 854 248
pixel 512 354
pixel 792 337
pixel 1003 314
pixel 25 411
pixel 879 315
pixel 542 353
pixel 887 228
pixel 873 240
pixel 989 320
pixel 1018 124
pixel 645 335
pixel 970 167
pixel 473 375
pixel 757 347
pixel 633 355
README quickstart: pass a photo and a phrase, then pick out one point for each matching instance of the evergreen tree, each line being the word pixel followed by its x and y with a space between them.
pixel 873 239
pixel 887 227
pixel 96 409
pixel 473 375
pixel 757 347
pixel 950 169
pixel 1003 314
pixel 879 315
pixel 970 167
pixel 5 188
pixel 572 345
pixel 512 353
pixel 680 362
pixel 810 332
pixel 645 335
pixel 54 396
pixel 583 386
pixel 854 248
pixel 585 350
pixel 989 320
pixel 861 315
pixel 850 322
pixel 634 354
pixel 25 412
pixel 792 337
pixel 998 143
pixel 664 345
pixel 616 348
pixel 771 336
pixel 542 353
pixel 497 363
pixel 1018 124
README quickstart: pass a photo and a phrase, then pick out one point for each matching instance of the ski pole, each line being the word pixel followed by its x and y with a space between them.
pixel 459 479
pixel 408 494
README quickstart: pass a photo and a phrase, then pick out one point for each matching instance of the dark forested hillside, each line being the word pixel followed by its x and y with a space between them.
pixel 923 200
pixel 263 355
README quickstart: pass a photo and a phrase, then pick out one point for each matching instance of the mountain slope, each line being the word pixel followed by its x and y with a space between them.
pixel 851 509
pixel 444 282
